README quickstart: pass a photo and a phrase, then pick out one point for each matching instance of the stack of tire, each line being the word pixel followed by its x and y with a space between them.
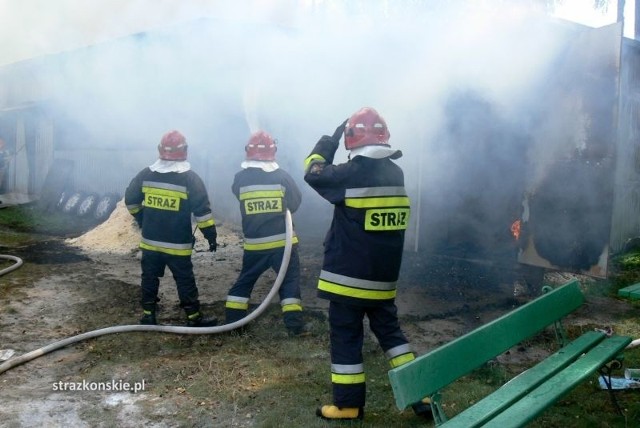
pixel 88 204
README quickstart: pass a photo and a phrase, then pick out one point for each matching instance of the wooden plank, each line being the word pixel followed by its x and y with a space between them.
pixel 626 291
pixel 516 388
pixel 432 371
pixel 535 402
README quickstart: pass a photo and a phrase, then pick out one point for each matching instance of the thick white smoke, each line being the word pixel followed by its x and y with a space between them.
pixel 296 69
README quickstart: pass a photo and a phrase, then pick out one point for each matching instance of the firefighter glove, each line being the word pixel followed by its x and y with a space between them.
pixel 339 131
pixel 213 246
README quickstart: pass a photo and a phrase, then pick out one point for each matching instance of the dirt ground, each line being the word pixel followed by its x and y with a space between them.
pixel 70 286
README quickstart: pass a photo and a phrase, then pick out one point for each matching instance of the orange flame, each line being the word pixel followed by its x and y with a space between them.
pixel 515 229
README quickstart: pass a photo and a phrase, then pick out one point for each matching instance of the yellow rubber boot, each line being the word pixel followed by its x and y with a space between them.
pixel 332 412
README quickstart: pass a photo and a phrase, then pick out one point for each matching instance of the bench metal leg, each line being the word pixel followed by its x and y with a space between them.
pixel 439 417
pixel 605 373
pixel 561 334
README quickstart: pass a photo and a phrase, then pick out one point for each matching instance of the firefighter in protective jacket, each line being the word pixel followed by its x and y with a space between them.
pixel 362 252
pixel 162 198
pixel 265 191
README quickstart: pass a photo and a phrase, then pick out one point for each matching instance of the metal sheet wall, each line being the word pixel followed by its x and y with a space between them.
pixel 104 170
pixel 626 209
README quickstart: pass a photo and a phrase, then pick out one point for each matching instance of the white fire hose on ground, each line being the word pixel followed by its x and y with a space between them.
pixel 633 344
pixel 168 328
pixel 16 265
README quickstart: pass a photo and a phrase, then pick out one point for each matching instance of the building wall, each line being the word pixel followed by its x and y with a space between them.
pixel 626 210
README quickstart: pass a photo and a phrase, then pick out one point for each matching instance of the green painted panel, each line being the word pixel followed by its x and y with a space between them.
pixel 626 291
pixel 525 382
pixel 525 410
pixel 432 371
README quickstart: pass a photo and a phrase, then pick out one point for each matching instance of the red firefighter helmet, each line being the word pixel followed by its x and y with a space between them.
pixel 261 147
pixel 173 146
pixel 365 128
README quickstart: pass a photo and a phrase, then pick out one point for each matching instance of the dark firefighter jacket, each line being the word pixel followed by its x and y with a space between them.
pixel 162 204
pixel 264 197
pixel 363 247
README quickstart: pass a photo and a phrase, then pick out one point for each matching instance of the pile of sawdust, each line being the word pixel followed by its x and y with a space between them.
pixel 120 234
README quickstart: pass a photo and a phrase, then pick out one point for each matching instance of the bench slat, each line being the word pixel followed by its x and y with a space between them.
pixel 432 371
pixel 634 295
pixel 525 410
pixel 520 385
pixel 630 291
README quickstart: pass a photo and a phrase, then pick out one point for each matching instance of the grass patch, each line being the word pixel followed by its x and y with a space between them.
pixel 259 378
pixel 624 270
pixel 629 261
pixel 29 219
pixel 265 378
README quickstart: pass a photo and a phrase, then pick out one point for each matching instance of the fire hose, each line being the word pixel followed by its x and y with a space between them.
pixel 16 265
pixel 168 328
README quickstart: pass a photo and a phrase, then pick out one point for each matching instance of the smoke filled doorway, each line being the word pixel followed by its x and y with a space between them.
pixel 522 188
pixel 569 198
pixel 470 210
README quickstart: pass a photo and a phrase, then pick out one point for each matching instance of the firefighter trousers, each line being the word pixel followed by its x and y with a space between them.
pixel 153 265
pixel 346 322
pixel 254 264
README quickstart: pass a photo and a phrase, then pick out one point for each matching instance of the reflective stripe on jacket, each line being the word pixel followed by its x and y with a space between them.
pixel 166 202
pixel 264 197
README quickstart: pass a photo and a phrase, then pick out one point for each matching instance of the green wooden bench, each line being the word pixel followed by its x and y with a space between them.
pixel 520 400
pixel 632 292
